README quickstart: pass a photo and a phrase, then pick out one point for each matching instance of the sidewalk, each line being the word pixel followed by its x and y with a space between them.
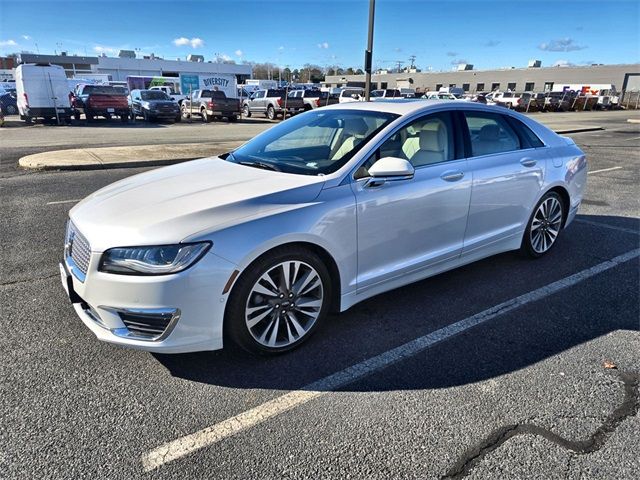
pixel 118 157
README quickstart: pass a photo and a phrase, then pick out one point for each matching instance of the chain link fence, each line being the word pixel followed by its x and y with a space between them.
pixel 630 100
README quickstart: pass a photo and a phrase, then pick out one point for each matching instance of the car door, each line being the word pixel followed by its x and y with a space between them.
pixel 507 177
pixel 410 225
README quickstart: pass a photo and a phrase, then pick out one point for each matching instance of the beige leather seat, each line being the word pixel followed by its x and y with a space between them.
pixel 354 131
pixel 433 147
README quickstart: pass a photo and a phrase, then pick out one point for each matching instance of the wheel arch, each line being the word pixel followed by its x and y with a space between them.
pixel 566 200
pixel 319 250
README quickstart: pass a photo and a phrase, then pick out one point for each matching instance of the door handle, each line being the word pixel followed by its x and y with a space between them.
pixel 528 162
pixel 452 176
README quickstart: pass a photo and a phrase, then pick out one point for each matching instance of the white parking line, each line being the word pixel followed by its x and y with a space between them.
pixel 208 436
pixel 75 200
pixel 604 170
pixel 604 225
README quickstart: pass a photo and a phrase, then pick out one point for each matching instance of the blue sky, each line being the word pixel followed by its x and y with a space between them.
pixel 489 34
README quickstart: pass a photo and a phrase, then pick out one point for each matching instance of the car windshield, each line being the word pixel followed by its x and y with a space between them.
pixel 154 95
pixel 377 93
pixel 317 142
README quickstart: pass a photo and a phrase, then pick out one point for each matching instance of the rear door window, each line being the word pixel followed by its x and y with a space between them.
pixel 490 133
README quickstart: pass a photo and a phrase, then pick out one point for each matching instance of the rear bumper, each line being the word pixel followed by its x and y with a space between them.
pixel 223 113
pixel 102 111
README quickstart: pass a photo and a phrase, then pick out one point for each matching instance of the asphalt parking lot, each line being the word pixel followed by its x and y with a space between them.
pixel 507 368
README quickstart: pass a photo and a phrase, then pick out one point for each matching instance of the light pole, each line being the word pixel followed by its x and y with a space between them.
pixel 368 54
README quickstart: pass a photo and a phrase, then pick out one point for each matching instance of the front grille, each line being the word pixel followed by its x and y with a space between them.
pixel 78 248
pixel 147 323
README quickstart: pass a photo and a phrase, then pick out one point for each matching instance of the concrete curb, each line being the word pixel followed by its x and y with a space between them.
pixel 123 157
pixel 578 130
pixel 633 120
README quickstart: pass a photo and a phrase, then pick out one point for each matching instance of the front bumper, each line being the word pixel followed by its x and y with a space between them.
pixel 191 303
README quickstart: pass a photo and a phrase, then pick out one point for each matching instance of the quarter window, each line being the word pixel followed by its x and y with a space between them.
pixel 423 142
pixel 490 133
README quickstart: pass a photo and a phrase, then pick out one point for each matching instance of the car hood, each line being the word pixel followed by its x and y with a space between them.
pixel 169 204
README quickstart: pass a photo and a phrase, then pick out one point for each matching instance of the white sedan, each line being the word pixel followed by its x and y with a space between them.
pixel 318 213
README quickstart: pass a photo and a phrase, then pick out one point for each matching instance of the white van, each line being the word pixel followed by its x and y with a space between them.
pixel 43 92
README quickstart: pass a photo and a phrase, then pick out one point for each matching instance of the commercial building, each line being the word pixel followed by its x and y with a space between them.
pixel 538 79
pixel 129 64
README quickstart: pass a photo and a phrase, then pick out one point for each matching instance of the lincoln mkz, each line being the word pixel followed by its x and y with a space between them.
pixel 322 211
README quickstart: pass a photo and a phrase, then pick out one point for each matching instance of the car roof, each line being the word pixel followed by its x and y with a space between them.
pixel 398 106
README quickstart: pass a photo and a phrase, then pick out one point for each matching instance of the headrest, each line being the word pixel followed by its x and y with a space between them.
pixel 490 133
pixel 355 126
pixel 432 140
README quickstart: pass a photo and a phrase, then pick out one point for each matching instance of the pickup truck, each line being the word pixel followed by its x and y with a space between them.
pixel 100 101
pixel 311 98
pixel 507 99
pixel 176 97
pixel 272 103
pixel 210 104
pixel 386 94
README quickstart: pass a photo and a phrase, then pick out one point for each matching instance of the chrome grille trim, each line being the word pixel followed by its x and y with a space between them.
pixel 77 251
pixel 150 324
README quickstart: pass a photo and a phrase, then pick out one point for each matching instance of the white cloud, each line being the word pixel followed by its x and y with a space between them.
pixel 103 49
pixel 26 37
pixel 179 42
pixel 561 45
pixel 238 53
pixel 492 43
pixel 281 48
pixel 225 57
pixel 324 45
pixel 459 61
pixel 452 54
pixel 8 43
pixel 195 42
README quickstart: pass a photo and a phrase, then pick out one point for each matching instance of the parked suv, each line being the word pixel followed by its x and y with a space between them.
pixel 153 105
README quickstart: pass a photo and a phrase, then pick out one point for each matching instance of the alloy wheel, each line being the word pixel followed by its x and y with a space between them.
pixel 546 224
pixel 284 304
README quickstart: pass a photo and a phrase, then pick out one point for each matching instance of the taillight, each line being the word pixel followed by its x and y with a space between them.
pixel 211 105
pixel 317 100
pixel 279 102
pixel 26 99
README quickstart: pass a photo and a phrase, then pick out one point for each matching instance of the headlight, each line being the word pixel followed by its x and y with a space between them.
pixel 160 260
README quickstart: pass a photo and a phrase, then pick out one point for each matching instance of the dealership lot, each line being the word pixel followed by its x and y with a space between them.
pixel 526 389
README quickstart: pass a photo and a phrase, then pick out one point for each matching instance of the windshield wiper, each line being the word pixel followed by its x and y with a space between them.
pixel 263 165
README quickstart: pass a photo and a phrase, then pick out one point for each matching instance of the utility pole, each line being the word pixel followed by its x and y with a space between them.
pixel 368 54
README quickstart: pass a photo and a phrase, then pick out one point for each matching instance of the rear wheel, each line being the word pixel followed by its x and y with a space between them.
pixel 271 113
pixel 279 301
pixel 76 115
pixel 544 226
pixel 205 116
pixel 232 118
pixel 246 112
pixel 124 118
pixel 88 115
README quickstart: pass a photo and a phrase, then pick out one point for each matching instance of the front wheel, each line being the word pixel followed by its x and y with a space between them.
pixel 544 226
pixel 246 112
pixel 279 301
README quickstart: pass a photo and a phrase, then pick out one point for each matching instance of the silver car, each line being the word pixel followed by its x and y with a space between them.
pixel 314 215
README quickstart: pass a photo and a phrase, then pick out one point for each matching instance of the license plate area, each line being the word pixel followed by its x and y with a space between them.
pixel 110 110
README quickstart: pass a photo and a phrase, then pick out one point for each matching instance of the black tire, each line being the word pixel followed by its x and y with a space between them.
pixel 88 115
pixel 146 116
pixel 235 326
pixel 76 115
pixel 246 112
pixel 205 116
pixel 271 113
pixel 28 119
pixel 67 120
pixel 178 119
pixel 527 247
pixel 124 118
pixel 232 118
pixel 11 110
pixel 184 112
